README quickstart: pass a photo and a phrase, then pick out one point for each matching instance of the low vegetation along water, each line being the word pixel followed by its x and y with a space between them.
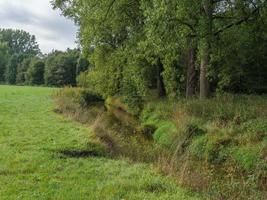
pixel 46 156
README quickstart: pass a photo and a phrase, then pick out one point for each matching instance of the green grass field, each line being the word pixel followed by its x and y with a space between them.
pixel 33 140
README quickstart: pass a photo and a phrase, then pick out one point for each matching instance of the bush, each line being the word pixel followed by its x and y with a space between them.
pixel 86 98
pixel 78 103
pixel 166 133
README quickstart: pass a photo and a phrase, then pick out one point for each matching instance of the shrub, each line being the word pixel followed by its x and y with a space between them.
pixel 82 97
pixel 86 98
pixel 79 104
pixel 82 79
pixel 166 134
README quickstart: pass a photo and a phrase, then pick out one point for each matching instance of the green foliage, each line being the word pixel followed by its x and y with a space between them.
pixel 127 42
pixel 21 61
pixel 80 96
pixel 240 66
pixel 60 68
pixel 82 80
pixel 19 42
pixel 21 77
pixel 11 68
pixel 82 65
pixel 15 47
pixel 35 73
pixel 87 98
pixel 3 60
pixel 166 133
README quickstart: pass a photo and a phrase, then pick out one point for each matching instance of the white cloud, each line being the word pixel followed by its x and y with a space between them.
pixel 37 17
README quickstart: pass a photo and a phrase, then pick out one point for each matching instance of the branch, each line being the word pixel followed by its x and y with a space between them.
pixel 223 17
pixel 240 21
pixel 190 26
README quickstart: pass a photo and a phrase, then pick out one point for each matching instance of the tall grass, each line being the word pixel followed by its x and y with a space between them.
pixel 218 145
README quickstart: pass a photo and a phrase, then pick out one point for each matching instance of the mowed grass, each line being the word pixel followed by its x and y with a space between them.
pixel 32 167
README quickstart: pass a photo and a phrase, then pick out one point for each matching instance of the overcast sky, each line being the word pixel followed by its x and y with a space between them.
pixel 37 17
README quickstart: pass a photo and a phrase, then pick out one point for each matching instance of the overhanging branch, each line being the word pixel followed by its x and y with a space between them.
pixel 238 22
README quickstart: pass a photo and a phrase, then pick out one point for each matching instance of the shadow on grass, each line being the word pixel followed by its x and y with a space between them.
pixel 91 150
pixel 71 153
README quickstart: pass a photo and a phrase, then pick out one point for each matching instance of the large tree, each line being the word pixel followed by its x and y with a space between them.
pixel 22 71
pixel 60 68
pixel 137 43
pixel 4 56
pixel 19 42
pixel 21 45
pixel 11 68
pixel 35 72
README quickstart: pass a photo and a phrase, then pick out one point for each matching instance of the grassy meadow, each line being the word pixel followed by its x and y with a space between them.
pixel 46 156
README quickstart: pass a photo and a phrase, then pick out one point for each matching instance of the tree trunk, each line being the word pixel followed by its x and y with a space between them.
pixel 204 83
pixel 191 71
pixel 206 48
pixel 160 83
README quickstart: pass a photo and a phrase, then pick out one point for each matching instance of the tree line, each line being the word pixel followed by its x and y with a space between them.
pixel 175 47
pixel 22 63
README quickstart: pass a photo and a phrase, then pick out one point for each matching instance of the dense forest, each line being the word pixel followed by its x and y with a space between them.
pixel 22 62
pixel 179 84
